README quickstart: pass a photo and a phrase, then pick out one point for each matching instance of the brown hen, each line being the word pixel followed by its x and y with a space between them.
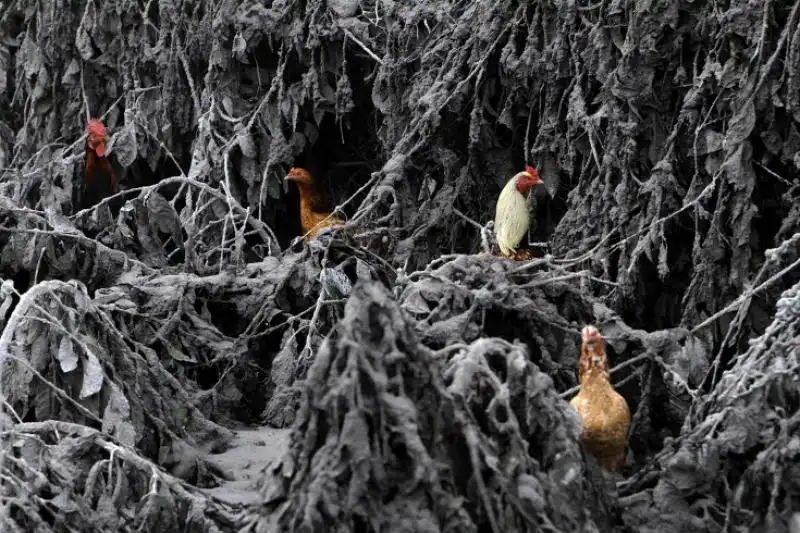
pixel 314 215
pixel 604 412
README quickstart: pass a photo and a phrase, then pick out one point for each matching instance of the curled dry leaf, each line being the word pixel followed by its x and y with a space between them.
pixel 67 357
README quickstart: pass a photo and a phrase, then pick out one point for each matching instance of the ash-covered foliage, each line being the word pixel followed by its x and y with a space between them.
pixel 393 436
pixel 135 332
pixel 736 461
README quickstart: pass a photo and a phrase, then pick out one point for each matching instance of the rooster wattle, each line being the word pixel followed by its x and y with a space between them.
pixel 512 219
pixel 604 412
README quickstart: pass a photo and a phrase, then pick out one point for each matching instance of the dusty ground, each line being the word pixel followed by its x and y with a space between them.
pixel 253 448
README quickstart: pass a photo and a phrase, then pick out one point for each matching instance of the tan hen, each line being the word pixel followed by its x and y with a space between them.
pixel 604 412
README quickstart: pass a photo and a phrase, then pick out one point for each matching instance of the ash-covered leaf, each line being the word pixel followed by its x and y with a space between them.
pixel 4 62
pixel 363 270
pixel 239 47
pixel 67 357
pixel 93 374
pixel 343 8
pixel 60 223
pixel 794 523
pixel 72 73
pixel 245 141
pixel 311 131
pixel 163 217
pixel 179 355
pixel 283 363
pixel 7 295
pixel 663 265
pixel 38 339
pixel 709 141
pixel 336 283
pixel 83 41
pixel 31 254
pixel 116 417
pixel 123 144
pixel 692 361
pixel 741 125
pixel 446 331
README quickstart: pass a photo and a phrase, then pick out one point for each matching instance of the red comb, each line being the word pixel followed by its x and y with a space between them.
pixel 95 127
pixel 530 170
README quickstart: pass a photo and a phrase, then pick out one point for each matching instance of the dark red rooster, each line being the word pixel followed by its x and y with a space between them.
pixel 99 179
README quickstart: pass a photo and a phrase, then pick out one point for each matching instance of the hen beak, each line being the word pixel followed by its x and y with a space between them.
pixel 288 178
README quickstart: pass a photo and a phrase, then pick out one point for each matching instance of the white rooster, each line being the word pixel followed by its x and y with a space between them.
pixel 511 219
